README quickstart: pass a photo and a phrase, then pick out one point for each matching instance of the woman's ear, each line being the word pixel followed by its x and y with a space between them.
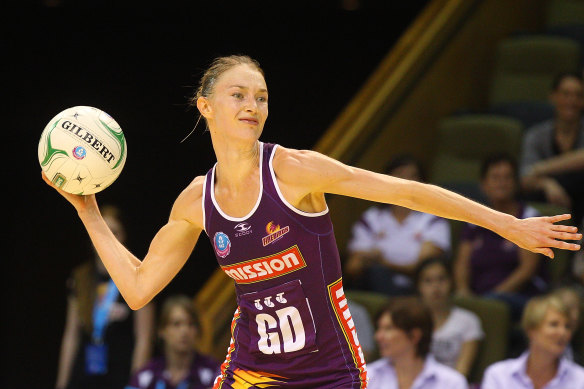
pixel 204 107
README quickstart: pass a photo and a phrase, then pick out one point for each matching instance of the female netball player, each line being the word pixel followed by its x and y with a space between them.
pixel 263 207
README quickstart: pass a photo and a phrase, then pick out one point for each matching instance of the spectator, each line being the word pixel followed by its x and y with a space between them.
pixel 487 265
pixel 546 322
pixel 573 301
pixel 552 161
pixel 404 335
pixel 104 340
pixel 457 331
pixel 389 241
pixel 180 366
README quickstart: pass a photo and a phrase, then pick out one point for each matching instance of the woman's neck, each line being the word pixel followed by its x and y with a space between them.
pixel 400 213
pixel 440 314
pixel 510 206
pixel 235 164
pixel 178 364
pixel 407 368
pixel 566 133
pixel 541 368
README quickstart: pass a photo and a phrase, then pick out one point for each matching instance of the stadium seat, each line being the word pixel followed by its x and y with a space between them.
pixel 464 141
pixel 564 13
pixel 525 66
pixel 372 301
pixel 496 322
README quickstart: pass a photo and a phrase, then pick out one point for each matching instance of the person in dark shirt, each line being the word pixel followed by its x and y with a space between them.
pixel 489 266
pixel 180 365
pixel 103 340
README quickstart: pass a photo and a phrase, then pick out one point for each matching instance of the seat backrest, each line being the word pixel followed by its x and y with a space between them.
pixel 564 13
pixel 372 301
pixel 495 320
pixel 464 141
pixel 525 66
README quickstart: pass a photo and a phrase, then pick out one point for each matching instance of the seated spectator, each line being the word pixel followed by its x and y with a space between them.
pixel 486 264
pixel 546 322
pixel 457 331
pixel 104 341
pixel 573 301
pixel 552 161
pixel 180 366
pixel 389 241
pixel 404 335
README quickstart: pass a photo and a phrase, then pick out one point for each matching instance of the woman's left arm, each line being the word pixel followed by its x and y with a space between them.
pixel 528 265
pixel 307 175
pixel 467 356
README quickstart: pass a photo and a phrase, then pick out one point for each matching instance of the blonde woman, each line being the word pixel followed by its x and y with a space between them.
pixel 547 323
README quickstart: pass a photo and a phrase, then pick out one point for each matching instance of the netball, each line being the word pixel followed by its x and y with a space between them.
pixel 82 150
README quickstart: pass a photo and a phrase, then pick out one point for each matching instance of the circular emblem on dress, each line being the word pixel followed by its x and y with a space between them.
pixel 222 244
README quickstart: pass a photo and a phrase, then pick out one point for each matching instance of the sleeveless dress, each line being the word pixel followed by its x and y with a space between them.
pixel 292 327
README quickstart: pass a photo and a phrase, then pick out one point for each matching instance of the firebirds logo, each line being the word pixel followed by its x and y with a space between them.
pixel 265 268
pixel 274 233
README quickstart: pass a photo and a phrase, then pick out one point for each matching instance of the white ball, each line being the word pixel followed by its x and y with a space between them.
pixel 82 150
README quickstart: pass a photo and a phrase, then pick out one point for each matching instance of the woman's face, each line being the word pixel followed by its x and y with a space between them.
pixel 499 183
pixel 553 334
pixel 407 172
pixel 393 342
pixel 238 105
pixel 180 332
pixel 568 99
pixel 434 286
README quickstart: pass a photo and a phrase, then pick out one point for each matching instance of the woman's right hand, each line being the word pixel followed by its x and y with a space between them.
pixel 80 202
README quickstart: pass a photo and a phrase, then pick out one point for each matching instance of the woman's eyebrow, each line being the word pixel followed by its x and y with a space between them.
pixel 245 87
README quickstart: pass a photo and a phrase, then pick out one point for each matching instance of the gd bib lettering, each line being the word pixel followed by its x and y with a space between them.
pixel 280 321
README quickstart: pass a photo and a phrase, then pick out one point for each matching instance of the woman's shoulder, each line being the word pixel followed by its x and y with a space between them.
pixel 463 314
pixel 380 364
pixel 574 369
pixel 505 367
pixel 188 204
pixel 446 375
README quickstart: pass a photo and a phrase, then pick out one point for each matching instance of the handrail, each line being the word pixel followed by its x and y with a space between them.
pixel 395 75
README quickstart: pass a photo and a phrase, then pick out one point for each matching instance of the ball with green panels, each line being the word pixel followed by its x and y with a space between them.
pixel 82 150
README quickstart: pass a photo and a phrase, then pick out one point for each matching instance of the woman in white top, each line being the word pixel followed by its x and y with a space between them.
pixel 404 336
pixel 547 324
pixel 388 242
pixel 457 331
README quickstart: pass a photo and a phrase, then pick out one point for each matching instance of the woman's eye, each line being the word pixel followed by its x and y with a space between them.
pixel 237 95
pixel 262 99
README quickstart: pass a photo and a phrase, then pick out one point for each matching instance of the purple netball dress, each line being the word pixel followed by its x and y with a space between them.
pixel 292 327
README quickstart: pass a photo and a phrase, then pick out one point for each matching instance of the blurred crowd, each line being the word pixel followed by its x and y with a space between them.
pixel 455 304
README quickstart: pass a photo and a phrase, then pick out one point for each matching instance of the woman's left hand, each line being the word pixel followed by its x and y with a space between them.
pixel 541 234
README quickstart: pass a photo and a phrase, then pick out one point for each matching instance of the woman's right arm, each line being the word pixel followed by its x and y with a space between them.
pixel 139 281
pixel 69 343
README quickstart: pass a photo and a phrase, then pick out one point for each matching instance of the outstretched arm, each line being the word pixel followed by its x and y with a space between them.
pixel 308 175
pixel 140 280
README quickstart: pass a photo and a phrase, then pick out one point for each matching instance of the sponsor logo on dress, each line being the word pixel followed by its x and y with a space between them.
pixel 222 244
pixel 274 233
pixel 265 268
pixel 341 308
pixel 242 229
